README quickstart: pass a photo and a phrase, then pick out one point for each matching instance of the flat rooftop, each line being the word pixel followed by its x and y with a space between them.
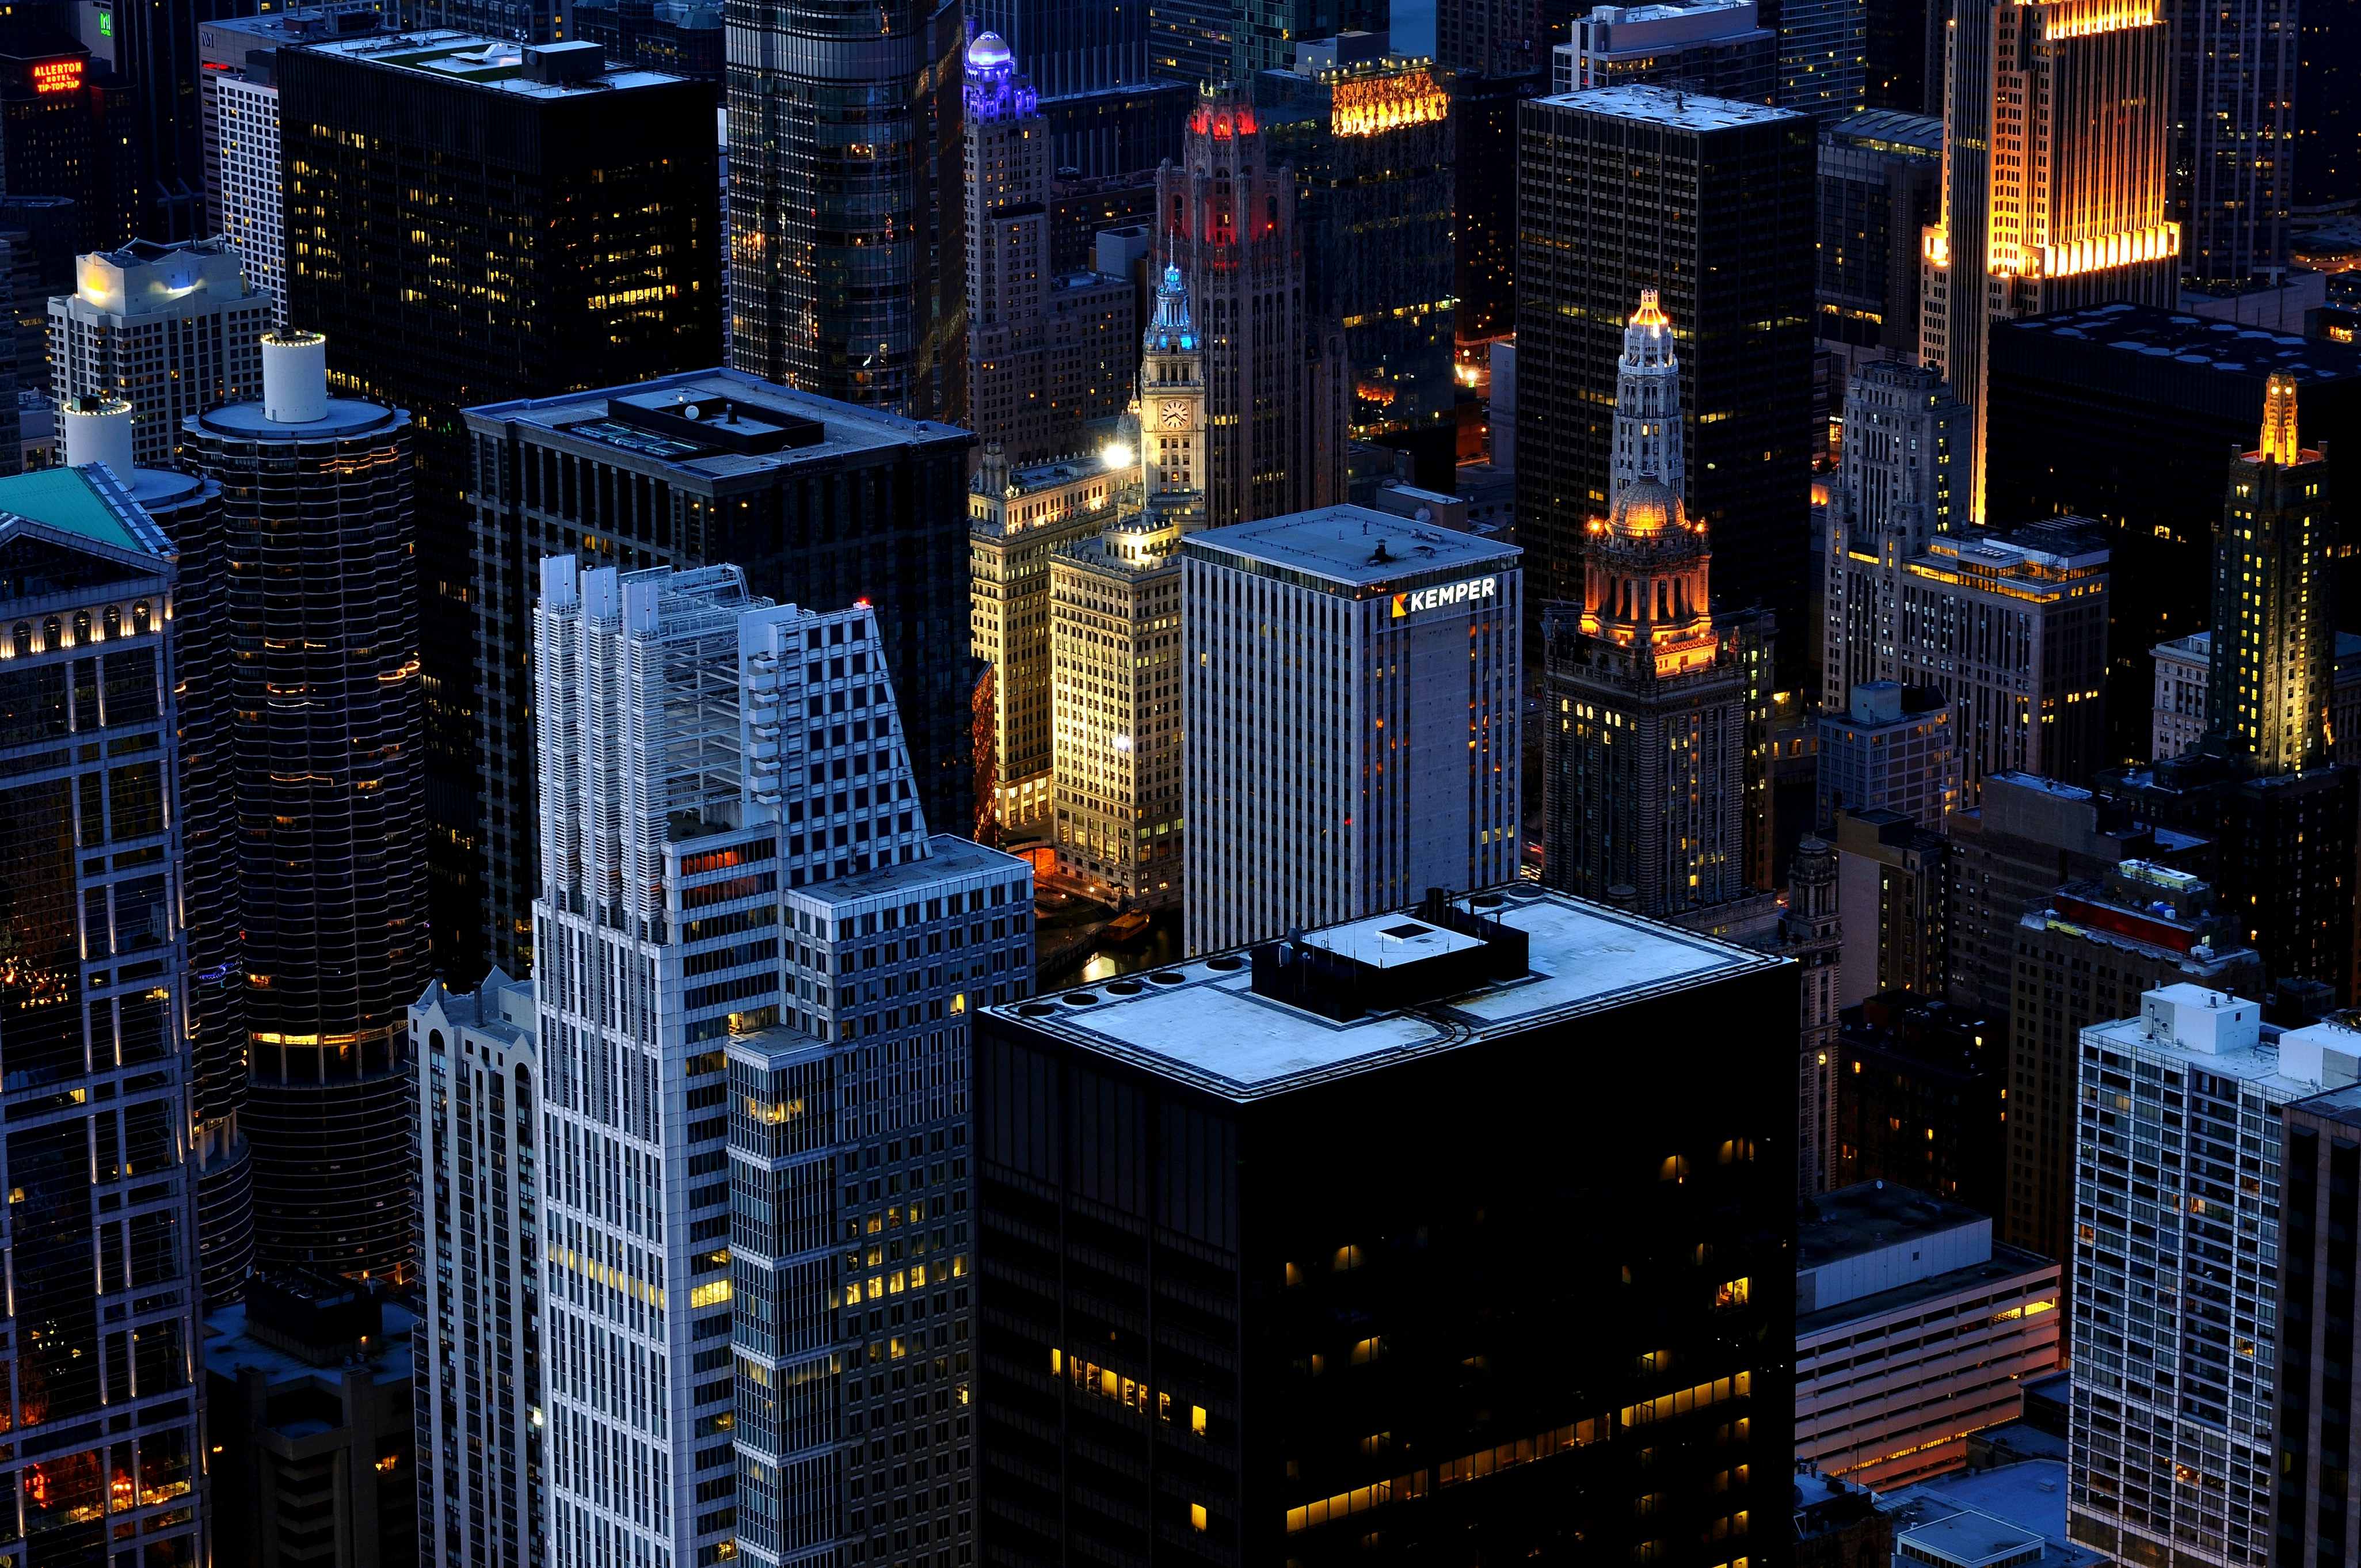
pixel 1863 1218
pixel 707 453
pixel 947 855
pixel 2169 335
pixel 2029 1495
pixel 493 64
pixel 1671 106
pixel 1200 1023
pixel 1889 130
pixel 1354 546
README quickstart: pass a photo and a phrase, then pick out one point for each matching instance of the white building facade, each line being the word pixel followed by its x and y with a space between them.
pixel 1350 719
pixel 475 1359
pixel 2175 1260
pixel 738 879
pixel 253 212
pixel 174 330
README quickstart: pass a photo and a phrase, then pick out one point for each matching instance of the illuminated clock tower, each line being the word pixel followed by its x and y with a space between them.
pixel 1172 409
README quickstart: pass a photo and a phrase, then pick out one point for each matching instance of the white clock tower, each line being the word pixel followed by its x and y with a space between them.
pixel 1172 408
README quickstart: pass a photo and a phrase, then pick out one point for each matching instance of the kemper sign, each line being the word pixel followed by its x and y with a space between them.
pixel 1453 593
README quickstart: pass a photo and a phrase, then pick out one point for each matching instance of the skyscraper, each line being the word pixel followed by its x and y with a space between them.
pixel 2057 151
pixel 1110 113
pixel 513 21
pixel 155 54
pixel 478 1360
pixel 170 329
pixel 1881 185
pixel 2261 783
pixel 1275 379
pixel 1484 202
pixel 2313 1416
pixel 320 599
pixel 100 1243
pixel 1645 701
pixel 1823 58
pixel 67 122
pixel 1718 49
pixel 1600 217
pixel 2327 150
pixel 812 500
pixel 859 296
pixel 1371 144
pixel 1294 1148
pixel 2011 626
pixel 1350 683
pixel 2175 1323
pixel 768 890
pixel 1491 37
pixel 2233 160
pixel 1810 932
pixel 575 211
pixel 1891 748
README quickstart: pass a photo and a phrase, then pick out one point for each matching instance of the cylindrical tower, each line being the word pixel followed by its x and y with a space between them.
pixel 321 611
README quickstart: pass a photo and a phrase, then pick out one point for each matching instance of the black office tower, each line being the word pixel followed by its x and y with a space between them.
pixel 848 236
pixel 154 46
pixel 1712 202
pixel 1257 1270
pixel 2124 413
pixel 1484 198
pixel 1108 114
pixel 2319 1175
pixel 65 130
pixel 2328 107
pixel 470 222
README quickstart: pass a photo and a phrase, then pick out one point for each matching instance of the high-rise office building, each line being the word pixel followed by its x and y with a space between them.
pixel 2327 150
pixel 1371 142
pixel 1598 222
pixel 2183 673
pixel 510 21
pixel 861 298
pixel 100 1246
pixel 2312 1418
pixel 1824 58
pixel 328 753
pixel 2262 784
pixel 1339 1397
pixel 1189 40
pixel 680 38
pixel 2175 1317
pixel 2084 953
pixel 65 130
pixel 1645 700
pixel 1350 683
pixel 1017 518
pixel 42 263
pixel 801 962
pixel 2010 625
pixel 1893 899
pixel 1115 648
pixel 815 500
pixel 2056 152
pixel 1718 49
pixel 2233 163
pixel 1491 37
pixel 1810 932
pixel 1880 184
pixel 1484 198
pixel 1922 1097
pixel 478 1355
pixel 170 329
pixel 1892 748
pixel 1272 35
pixel 1905 53
pixel 575 207
pixel 1275 382
pixel 2150 398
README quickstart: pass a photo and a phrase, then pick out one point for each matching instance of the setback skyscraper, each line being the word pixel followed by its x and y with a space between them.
pixel 99 1244
pixel 2057 149
pixel 1289 1174
pixel 1351 736
pixel 856 295
pixel 1276 396
pixel 1601 215
pixel 470 220
pixel 812 499
pixel 328 753
pixel 799 962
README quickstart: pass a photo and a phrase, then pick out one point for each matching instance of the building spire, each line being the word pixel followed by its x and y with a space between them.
pixel 2278 443
pixel 1648 405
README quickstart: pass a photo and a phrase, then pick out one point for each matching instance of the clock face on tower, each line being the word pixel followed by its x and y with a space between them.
pixel 1176 416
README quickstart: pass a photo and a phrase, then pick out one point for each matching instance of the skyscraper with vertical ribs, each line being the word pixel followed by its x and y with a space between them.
pixel 2056 144
pixel 321 598
pixel 1645 786
pixel 1275 404
pixel 847 235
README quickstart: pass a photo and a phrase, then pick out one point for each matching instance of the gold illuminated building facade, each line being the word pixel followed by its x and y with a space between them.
pixel 2273 654
pixel 2057 132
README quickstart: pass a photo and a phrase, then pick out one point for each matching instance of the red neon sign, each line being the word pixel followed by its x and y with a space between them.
pixel 57 76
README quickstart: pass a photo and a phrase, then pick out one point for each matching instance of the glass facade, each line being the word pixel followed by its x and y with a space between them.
pixel 100 1407
pixel 1823 57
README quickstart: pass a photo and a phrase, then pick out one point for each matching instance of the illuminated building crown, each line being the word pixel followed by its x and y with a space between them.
pixel 1648 404
pixel 1169 330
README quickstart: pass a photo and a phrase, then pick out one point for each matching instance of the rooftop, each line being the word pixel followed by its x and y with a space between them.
pixel 1354 546
pixel 493 64
pixel 78 500
pixel 230 1348
pixel 948 856
pixel 1860 1219
pixel 2165 334
pixel 2198 647
pixel 1889 130
pixel 715 425
pixel 2336 1105
pixel 2028 1497
pixel 1671 106
pixel 1204 1023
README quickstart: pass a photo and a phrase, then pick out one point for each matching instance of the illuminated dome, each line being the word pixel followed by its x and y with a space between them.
pixel 1646 507
pixel 989 52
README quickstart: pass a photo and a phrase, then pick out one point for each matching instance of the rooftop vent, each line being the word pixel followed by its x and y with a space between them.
pixel 556 64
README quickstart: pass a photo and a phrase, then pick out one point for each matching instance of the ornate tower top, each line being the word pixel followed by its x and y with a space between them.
pixel 2279 438
pixel 1648 405
pixel 1169 330
pixel 994 90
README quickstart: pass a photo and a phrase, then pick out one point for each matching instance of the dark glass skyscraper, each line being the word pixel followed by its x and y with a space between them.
pixel 1711 202
pixel 321 607
pixel 64 130
pixel 848 236
pixel 99 1246
pixel 156 58
pixel 469 221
